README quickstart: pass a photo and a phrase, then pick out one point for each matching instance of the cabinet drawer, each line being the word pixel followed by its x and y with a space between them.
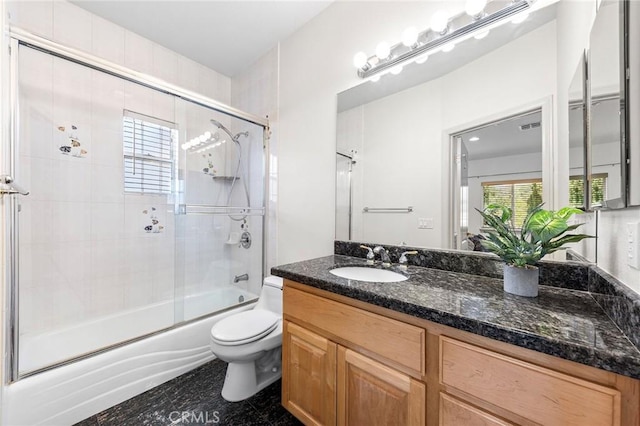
pixel 535 393
pixel 454 412
pixel 399 342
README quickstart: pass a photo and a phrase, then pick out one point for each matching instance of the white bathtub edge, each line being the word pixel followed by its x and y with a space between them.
pixel 52 397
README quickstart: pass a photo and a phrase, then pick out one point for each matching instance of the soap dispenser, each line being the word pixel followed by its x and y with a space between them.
pixel 370 255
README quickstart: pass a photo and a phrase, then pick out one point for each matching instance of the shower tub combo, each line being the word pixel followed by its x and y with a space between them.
pixel 186 214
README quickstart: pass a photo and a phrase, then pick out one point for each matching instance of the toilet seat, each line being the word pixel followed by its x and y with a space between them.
pixel 244 327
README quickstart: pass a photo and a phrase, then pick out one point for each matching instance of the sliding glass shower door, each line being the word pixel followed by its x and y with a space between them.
pixel 127 229
pixel 220 201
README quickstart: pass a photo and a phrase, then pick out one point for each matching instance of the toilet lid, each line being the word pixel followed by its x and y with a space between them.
pixel 245 327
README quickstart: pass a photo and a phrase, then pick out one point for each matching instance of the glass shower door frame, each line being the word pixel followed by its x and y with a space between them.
pixel 10 207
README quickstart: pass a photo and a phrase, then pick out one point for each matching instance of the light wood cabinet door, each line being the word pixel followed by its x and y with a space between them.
pixel 308 375
pixel 454 412
pixel 372 394
pixel 538 394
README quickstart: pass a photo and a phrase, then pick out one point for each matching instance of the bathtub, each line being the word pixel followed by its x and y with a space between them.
pixel 72 392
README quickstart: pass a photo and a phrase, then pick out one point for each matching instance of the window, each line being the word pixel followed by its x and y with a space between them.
pixel 519 195
pixel 598 190
pixel 148 146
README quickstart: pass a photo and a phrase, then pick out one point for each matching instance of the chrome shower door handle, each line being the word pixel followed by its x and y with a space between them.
pixel 8 186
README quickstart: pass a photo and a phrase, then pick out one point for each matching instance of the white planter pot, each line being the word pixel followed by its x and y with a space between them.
pixel 521 281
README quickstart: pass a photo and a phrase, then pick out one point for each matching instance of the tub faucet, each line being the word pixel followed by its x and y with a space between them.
pixel 384 256
pixel 243 277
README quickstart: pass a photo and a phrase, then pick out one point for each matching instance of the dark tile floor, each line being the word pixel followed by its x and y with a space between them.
pixel 194 399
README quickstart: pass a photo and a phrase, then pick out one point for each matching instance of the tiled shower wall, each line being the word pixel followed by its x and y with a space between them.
pixel 85 251
pixel 255 90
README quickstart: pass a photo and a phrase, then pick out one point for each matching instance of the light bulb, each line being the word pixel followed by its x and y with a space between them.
pixel 474 139
pixel 481 35
pixel 475 7
pixel 375 78
pixel 410 36
pixel 207 135
pixel 360 60
pixel 520 18
pixel 422 59
pixel 383 50
pixel 448 47
pixel 439 21
pixel 396 70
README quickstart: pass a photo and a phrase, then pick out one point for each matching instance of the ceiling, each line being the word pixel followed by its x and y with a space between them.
pixel 505 138
pixel 226 36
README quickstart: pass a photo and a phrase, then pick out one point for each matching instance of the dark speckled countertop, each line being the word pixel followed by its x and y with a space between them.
pixel 565 323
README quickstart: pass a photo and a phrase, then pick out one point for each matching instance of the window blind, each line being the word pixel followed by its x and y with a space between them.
pixel 598 190
pixel 520 196
pixel 148 146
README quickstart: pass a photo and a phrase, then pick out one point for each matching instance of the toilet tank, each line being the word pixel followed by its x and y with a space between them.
pixel 271 295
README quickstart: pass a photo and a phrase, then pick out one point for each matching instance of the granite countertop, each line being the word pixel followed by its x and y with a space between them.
pixel 561 322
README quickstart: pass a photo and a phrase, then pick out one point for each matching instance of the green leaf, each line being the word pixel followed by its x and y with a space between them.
pixel 542 233
pixel 545 225
pixel 556 245
pixel 566 212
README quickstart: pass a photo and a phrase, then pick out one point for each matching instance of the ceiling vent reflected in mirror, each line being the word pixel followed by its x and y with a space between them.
pixel 530 126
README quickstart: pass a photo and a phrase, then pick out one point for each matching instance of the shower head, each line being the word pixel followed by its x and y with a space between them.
pixel 227 131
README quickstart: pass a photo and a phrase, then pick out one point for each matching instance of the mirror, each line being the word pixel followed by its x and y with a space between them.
pixel 606 155
pixel 633 99
pixel 394 147
pixel 577 139
pixel 586 249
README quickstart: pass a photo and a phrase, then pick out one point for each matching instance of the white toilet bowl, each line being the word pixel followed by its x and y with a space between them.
pixel 251 342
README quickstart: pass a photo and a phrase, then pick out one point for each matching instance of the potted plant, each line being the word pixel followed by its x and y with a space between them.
pixel 543 232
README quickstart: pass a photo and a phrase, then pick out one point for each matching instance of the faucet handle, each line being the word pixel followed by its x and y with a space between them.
pixel 384 256
pixel 370 255
pixel 403 258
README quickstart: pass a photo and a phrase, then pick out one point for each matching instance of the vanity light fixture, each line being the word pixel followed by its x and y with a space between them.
pixel 444 33
pixel 201 143
pixel 448 47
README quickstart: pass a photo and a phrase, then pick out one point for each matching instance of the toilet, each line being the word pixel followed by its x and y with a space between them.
pixel 251 342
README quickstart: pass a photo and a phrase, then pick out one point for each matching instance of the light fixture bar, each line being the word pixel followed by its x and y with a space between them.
pixel 432 41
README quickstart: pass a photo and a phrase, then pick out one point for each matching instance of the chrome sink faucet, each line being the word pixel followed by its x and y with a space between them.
pixel 384 256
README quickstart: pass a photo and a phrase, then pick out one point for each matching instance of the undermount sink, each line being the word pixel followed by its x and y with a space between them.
pixel 361 273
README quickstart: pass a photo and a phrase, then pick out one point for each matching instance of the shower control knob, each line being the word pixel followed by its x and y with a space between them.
pixel 245 240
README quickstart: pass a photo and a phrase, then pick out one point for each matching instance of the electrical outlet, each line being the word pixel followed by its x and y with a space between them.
pixel 633 245
pixel 425 223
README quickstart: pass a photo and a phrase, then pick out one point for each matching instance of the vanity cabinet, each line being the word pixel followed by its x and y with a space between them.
pixel 347 362
pixel 326 382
